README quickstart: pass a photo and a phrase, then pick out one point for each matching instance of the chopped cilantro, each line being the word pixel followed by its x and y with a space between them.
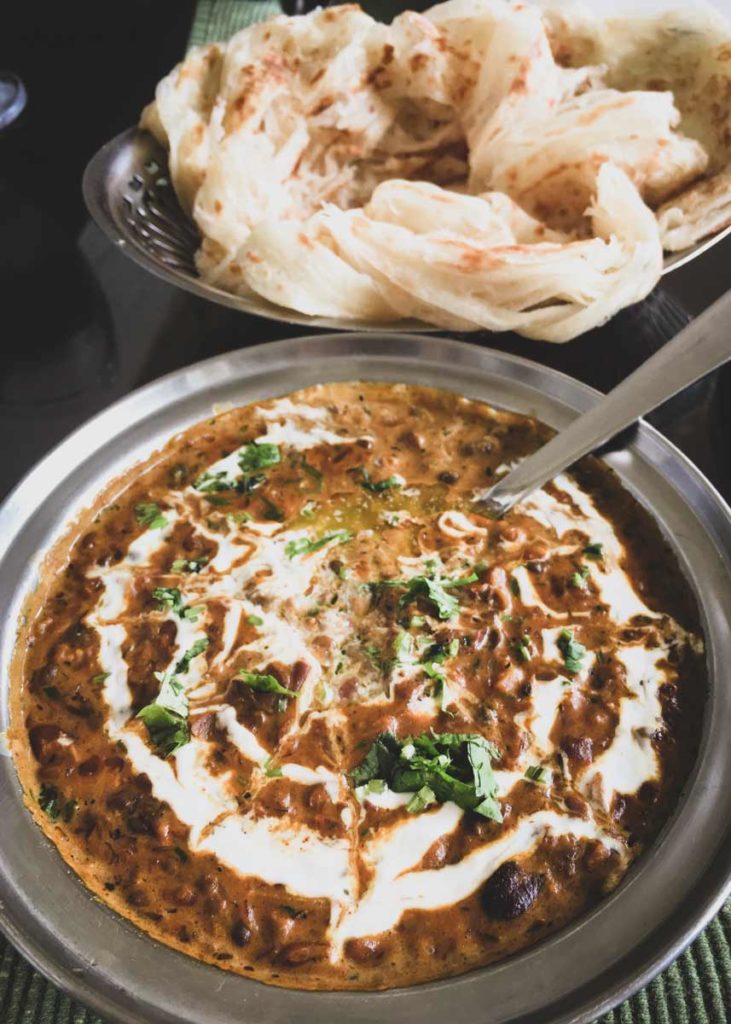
pixel 594 550
pixel 239 517
pixel 255 620
pixel 379 486
pixel 535 773
pixel 450 766
pixel 264 683
pixel 422 799
pixel 522 649
pixel 434 589
pixel 97 680
pixel 178 474
pixel 514 587
pixel 308 509
pixel 54 805
pixel 149 514
pixel 403 648
pixel 198 647
pixel 375 786
pixel 304 546
pixel 166 717
pixel 210 483
pixel 258 456
pixel 170 597
pixel 271 770
pixel 578 578
pixel 188 564
pixel 573 652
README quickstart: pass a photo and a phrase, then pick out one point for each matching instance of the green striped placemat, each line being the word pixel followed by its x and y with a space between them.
pixel 696 989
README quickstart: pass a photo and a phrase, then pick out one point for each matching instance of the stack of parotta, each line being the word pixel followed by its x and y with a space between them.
pixel 483 165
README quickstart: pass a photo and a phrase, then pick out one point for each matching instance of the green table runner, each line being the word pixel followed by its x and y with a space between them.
pixel 696 989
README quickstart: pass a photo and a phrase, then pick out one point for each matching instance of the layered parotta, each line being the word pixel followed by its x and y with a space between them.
pixel 482 165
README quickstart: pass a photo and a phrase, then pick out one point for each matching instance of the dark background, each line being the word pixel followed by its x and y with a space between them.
pixel 81 325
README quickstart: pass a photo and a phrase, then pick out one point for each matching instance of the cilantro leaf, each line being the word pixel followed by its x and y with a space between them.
pixel 535 773
pixel 212 483
pixel 304 546
pixel 403 648
pixel 578 579
pixel 264 683
pixel 258 456
pixel 434 589
pixel 379 762
pixel 271 770
pixel 170 597
pixel 450 766
pixel 168 731
pixel 594 550
pixel 572 651
pixel 522 648
pixel 422 799
pixel 379 486
pixel 149 514
pixel 188 564
pixel 54 805
pixel 198 647
pixel 166 717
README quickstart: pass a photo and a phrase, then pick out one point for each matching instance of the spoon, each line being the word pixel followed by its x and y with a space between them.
pixel 702 346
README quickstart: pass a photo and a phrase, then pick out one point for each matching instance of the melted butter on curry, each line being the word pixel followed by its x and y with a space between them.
pixel 292 704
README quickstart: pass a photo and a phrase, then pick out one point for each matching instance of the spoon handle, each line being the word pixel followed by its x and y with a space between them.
pixel 702 346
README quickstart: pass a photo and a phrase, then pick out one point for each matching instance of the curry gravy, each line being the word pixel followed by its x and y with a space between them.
pixel 217 646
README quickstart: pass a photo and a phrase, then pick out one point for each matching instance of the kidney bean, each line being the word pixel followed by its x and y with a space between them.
pixel 202 726
pixel 510 891
pixel 42 742
pixel 298 675
pixel 579 749
pixel 303 953
pixel 240 934
pixel 577 805
pixel 365 951
pixel 185 895
pixel 90 767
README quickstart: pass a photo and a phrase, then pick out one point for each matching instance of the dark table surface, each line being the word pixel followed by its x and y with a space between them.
pixel 81 325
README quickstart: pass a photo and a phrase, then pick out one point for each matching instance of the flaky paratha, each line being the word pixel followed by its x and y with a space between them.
pixel 482 165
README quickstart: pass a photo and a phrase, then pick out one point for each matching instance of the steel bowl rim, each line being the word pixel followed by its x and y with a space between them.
pixel 686 922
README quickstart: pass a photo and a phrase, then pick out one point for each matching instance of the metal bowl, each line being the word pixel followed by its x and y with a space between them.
pixel 666 898
pixel 128 193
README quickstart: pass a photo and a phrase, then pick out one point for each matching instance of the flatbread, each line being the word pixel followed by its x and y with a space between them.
pixel 484 165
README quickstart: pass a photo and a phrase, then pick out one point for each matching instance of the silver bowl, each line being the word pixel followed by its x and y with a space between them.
pixel 600 959
pixel 128 193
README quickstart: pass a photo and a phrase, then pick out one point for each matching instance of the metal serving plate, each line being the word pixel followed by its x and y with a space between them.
pixel 574 976
pixel 128 193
